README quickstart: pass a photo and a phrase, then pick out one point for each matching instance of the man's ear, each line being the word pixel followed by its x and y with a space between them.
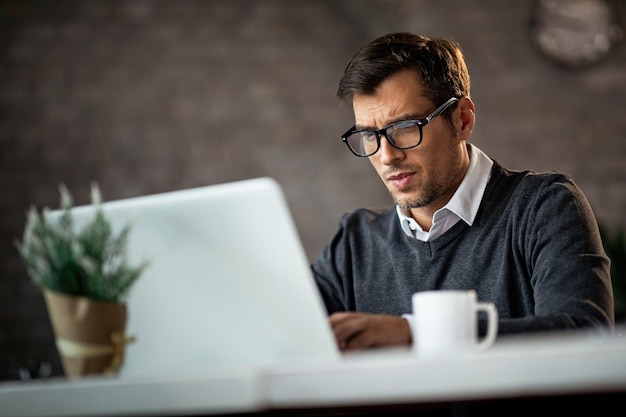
pixel 466 117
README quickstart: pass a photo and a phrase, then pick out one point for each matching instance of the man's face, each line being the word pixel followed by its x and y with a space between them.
pixel 424 177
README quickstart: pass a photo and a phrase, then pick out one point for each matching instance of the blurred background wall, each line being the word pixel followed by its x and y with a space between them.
pixel 150 96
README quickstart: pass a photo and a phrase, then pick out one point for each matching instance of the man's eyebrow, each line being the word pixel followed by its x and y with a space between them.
pixel 401 118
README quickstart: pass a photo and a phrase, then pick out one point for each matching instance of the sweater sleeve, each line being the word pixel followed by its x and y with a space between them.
pixel 563 253
pixel 330 280
pixel 353 259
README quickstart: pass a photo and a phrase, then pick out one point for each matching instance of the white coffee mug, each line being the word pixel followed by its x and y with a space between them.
pixel 445 323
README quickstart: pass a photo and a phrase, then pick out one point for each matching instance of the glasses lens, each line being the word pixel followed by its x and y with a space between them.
pixel 406 134
pixel 363 143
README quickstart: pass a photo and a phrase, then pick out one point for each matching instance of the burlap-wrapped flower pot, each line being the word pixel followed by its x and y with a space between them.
pixel 89 334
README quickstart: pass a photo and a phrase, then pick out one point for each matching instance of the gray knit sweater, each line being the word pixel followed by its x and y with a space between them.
pixel 534 250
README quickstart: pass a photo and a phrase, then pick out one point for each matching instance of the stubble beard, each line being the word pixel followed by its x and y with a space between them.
pixel 429 193
pixel 422 199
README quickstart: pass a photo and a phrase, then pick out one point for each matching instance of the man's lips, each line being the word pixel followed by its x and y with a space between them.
pixel 401 180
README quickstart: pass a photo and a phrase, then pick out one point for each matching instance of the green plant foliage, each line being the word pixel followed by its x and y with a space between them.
pixel 615 248
pixel 90 262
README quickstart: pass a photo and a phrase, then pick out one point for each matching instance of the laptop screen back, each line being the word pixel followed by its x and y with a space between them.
pixel 227 283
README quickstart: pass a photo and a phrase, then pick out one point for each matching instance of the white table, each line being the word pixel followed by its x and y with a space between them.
pixel 548 365
pixel 220 393
pixel 514 368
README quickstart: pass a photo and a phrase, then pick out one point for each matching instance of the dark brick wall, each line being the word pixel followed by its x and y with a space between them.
pixel 150 96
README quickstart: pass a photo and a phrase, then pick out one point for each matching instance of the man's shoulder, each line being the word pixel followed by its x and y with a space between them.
pixel 529 178
pixel 370 215
pixel 530 188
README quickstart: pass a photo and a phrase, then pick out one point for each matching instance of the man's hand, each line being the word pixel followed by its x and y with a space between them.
pixel 360 330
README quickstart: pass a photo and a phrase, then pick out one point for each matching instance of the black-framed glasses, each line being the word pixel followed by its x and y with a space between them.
pixel 404 134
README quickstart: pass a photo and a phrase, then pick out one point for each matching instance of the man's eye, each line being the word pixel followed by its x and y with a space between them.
pixel 368 136
pixel 405 126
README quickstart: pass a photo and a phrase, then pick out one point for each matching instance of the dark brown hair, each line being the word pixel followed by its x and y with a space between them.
pixel 437 62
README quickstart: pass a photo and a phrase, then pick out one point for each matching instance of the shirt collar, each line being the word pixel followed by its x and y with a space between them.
pixel 466 200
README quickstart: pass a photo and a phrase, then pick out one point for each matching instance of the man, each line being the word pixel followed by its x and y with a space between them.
pixel 526 241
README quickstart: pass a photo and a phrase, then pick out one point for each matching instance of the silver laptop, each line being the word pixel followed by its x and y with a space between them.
pixel 228 282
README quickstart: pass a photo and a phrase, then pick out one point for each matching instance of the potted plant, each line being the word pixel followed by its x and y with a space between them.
pixel 85 279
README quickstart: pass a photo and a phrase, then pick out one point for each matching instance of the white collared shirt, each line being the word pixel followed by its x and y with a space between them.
pixel 462 206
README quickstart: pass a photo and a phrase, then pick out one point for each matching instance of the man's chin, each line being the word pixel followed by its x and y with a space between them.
pixel 406 201
pixel 402 201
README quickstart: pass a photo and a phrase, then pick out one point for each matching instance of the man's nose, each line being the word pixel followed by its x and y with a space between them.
pixel 387 153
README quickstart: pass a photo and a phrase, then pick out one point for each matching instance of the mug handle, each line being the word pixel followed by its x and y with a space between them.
pixel 492 325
